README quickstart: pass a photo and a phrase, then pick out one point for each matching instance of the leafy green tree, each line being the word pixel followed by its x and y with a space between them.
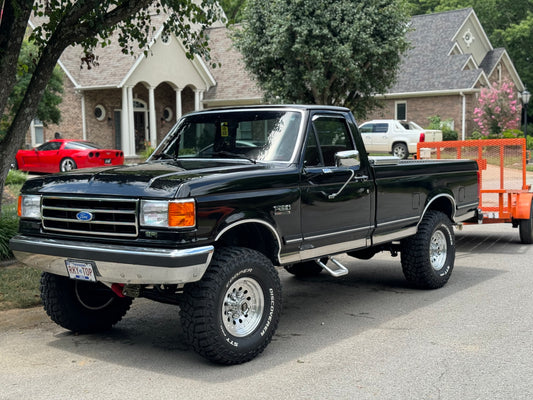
pixel 88 23
pixel 47 111
pixel 333 52
pixel 233 9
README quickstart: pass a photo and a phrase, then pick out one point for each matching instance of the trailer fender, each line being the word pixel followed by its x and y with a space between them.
pixel 522 208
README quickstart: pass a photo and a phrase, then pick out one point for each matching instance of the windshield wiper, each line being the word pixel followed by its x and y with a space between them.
pixel 234 155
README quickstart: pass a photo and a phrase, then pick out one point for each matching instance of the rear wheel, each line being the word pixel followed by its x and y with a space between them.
pixel 231 314
pixel 526 228
pixel 400 150
pixel 67 164
pixel 80 306
pixel 428 257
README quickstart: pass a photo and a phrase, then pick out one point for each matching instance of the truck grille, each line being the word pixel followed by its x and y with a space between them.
pixel 90 216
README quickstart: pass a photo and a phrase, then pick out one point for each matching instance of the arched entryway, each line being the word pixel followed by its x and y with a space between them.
pixel 140 124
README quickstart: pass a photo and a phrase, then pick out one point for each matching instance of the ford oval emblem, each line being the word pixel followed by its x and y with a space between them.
pixel 84 216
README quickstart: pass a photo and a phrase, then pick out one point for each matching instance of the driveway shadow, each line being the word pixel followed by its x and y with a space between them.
pixel 317 312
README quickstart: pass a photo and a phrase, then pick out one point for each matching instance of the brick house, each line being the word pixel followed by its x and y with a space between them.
pixel 451 59
pixel 130 103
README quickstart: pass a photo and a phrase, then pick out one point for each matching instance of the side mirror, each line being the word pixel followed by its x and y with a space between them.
pixel 348 158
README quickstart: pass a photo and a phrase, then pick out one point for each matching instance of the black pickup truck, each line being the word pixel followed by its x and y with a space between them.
pixel 228 196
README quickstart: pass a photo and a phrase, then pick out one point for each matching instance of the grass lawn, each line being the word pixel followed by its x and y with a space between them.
pixel 19 285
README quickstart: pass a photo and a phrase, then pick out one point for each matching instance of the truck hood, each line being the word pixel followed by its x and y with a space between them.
pixel 160 179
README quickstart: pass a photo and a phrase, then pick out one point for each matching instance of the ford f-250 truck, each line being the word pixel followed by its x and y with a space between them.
pixel 228 196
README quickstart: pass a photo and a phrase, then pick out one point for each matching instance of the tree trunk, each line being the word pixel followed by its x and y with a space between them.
pixel 14 22
pixel 28 109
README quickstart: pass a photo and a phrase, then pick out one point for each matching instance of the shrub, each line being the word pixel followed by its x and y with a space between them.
pixel 529 142
pixel 8 228
pixel 448 133
pixel 512 134
pixel 147 152
pixel 15 177
pixel 497 110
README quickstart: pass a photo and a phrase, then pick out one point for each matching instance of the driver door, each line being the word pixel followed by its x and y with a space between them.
pixel 336 206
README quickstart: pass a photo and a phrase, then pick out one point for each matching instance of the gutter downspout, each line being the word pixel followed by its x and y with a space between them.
pixel 463 122
pixel 83 121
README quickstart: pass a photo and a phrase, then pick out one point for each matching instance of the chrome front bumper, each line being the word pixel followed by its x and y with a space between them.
pixel 115 263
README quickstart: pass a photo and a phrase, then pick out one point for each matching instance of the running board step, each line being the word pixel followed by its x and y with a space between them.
pixel 340 269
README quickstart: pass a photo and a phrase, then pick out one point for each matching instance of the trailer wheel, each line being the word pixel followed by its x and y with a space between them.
pixel 526 228
pixel 231 314
pixel 428 256
pixel 79 306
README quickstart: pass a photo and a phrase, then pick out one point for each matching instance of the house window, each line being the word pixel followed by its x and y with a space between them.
pixel 37 132
pixel 99 112
pixel 401 111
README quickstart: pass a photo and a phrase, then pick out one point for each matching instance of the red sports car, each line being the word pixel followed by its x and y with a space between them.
pixel 65 155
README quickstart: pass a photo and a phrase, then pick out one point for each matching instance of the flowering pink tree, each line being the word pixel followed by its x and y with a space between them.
pixel 498 109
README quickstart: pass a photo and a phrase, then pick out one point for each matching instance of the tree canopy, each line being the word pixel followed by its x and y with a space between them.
pixel 47 110
pixel 333 52
pixel 88 23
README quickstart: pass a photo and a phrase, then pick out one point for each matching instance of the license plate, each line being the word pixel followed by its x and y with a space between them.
pixel 107 161
pixel 81 270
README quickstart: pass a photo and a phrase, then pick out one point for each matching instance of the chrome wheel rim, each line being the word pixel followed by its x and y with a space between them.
pixel 438 249
pixel 67 165
pixel 399 152
pixel 243 307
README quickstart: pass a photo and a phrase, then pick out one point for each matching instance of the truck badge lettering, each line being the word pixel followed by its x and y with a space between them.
pixel 283 209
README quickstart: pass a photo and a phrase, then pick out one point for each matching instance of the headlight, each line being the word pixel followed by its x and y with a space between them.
pixel 29 206
pixel 168 214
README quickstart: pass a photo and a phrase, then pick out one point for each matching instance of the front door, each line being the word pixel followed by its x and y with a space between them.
pixel 139 120
pixel 336 206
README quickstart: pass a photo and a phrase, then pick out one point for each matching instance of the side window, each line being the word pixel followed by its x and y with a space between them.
pixel 329 136
pixel 312 156
pixel 49 146
pixel 381 128
pixel 366 128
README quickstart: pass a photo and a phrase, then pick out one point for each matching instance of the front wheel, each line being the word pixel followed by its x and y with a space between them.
pixel 81 306
pixel 67 164
pixel 231 314
pixel 428 257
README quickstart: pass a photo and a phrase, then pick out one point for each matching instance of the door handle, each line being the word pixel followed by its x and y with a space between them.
pixel 332 196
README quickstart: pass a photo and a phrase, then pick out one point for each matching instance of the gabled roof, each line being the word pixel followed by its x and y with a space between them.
pixel 233 81
pixel 115 67
pixel 430 65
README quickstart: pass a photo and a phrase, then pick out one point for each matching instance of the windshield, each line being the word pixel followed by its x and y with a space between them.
pixel 266 135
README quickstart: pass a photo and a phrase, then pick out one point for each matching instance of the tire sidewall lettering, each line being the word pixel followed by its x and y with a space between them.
pixel 450 243
pixel 266 318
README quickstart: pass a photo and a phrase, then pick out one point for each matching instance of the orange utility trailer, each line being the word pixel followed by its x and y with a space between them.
pixel 504 195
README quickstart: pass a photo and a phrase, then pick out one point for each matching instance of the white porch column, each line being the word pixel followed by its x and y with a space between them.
pixel 179 111
pixel 125 123
pixel 131 123
pixel 198 99
pixel 151 109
